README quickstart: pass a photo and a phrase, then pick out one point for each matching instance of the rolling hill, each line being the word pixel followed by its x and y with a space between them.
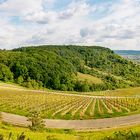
pixel 55 67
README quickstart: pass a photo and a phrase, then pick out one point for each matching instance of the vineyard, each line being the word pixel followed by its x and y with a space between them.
pixel 59 106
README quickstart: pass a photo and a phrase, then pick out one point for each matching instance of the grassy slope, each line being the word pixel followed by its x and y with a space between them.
pixel 103 73
pixel 135 91
pixel 5 129
pixel 118 92
pixel 99 135
pixel 88 78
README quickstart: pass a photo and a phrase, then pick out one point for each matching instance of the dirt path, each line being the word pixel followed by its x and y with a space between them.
pixel 76 124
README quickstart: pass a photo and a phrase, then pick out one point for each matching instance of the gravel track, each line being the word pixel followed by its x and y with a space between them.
pixel 76 124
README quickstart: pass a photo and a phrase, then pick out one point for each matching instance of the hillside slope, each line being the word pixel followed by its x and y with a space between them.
pixel 55 67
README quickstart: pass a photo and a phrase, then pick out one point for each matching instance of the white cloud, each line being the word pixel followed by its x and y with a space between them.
pixel 20 7
pixel 75 9
pixel 115 25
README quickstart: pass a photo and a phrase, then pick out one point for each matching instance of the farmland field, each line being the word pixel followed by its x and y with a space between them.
pixel 64 106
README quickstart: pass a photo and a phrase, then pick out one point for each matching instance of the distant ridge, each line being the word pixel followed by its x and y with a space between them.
pixel 127 52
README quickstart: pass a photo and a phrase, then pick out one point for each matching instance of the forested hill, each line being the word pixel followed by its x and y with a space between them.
pixel 58 67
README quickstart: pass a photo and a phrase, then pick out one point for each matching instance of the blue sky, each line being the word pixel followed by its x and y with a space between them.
pixel 110 23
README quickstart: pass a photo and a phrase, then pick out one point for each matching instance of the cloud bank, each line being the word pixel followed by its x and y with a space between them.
pixel 114 24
